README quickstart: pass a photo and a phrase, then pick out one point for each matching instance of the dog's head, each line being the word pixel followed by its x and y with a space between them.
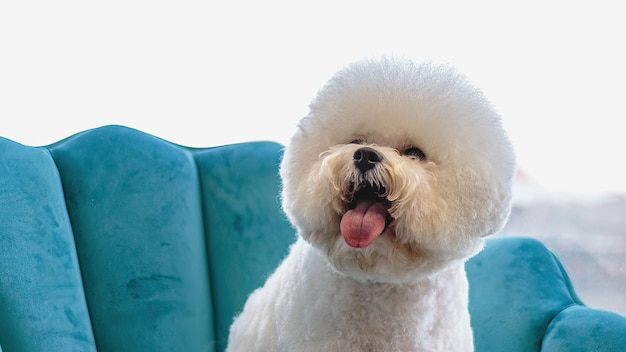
pixel 398 170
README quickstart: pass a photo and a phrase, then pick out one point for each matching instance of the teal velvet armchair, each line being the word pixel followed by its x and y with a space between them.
pixel 116 240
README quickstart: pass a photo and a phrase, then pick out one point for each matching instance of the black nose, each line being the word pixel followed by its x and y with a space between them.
pixel 366 158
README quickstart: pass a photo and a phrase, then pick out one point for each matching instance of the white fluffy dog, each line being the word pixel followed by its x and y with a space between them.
pixel 392 180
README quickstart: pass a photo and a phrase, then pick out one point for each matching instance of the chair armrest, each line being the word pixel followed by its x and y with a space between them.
pixel 580 328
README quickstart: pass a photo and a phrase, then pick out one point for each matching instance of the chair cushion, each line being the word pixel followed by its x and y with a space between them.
pixel 42 302
pixel 247 232
pixel 135 207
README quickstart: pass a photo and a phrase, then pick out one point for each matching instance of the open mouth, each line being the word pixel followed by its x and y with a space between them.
pixel 366 216
pixel 365 193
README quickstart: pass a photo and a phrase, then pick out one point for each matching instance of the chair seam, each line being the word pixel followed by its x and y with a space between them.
pixel 192 154
pixel 50 153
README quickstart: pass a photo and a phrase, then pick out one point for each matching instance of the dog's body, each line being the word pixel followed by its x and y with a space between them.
pixel 392 181
pixel 322 311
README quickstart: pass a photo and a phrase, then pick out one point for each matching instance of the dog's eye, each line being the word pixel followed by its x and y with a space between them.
pixel 414 152
pixel 356 141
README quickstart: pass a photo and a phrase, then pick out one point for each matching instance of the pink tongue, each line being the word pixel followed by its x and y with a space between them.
pixel 361 225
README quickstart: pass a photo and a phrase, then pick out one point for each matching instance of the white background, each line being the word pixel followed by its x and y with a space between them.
pixel 217 72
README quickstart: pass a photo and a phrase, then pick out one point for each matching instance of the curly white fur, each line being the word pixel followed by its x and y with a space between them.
pixel 406 290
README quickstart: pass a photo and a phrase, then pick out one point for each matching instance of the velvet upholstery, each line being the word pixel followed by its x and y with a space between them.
pixel 116 240
pixel 521 299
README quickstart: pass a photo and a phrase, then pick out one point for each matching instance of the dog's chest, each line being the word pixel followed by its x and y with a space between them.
pixel 362 317
pixel 320 310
